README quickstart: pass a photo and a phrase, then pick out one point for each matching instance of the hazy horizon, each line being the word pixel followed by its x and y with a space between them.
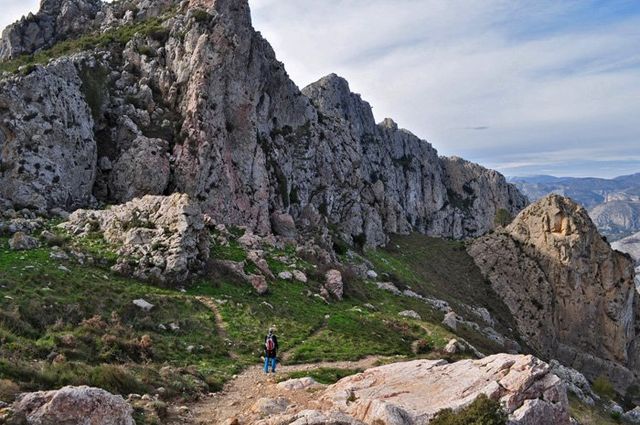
pixel 525 88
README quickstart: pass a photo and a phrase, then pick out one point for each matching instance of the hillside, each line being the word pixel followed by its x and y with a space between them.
pixel 613 204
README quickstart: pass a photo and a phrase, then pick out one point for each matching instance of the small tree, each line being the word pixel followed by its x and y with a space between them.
pixel 502 218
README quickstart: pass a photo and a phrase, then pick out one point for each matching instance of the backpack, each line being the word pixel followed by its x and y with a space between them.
pixel 270 345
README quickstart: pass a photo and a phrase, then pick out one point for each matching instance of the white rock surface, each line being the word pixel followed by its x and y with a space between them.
pixel 74 405
pixel 395 394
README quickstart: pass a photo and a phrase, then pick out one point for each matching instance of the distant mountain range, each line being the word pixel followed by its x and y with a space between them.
pixel 613 204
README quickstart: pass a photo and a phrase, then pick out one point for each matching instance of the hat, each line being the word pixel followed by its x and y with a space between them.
pixel 273 329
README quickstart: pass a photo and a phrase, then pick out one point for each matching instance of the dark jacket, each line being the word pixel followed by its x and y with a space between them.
pixel 275 351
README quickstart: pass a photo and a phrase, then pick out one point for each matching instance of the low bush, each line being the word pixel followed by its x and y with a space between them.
pixel 483 411
pixel 603 387
pixel 8 390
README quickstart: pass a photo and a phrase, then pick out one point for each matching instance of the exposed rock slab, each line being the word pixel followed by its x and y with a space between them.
pixel 411 393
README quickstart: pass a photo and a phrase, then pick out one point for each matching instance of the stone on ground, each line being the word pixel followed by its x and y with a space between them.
pixel 74 405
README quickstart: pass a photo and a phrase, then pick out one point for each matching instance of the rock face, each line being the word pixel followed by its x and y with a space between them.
pixel 395 394
pixel 74 405
pixel 573 297
pixel 211 111
pixel 165 236
pixel 47 146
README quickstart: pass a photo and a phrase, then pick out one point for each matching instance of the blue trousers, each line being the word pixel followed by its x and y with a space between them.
pixel 270 361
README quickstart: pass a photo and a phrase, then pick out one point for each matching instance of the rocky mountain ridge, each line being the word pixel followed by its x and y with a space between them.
pixel 572 295
pixel 198 104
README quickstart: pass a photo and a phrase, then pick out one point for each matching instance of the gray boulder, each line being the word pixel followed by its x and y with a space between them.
pixel 73 405
pixel 23 242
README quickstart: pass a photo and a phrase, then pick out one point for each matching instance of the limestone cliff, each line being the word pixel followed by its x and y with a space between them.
pixel 199 104
pixel 573 296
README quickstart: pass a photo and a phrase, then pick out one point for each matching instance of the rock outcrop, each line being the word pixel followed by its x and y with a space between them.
pixel 203 100
pixel 573 297
pixel 395 394
pixel 157 237
pixel 73 405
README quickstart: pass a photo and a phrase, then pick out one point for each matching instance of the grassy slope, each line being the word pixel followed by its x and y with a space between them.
pixel 442 269
pixel 84 315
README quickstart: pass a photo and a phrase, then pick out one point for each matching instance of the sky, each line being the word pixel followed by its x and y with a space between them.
pixel 525 87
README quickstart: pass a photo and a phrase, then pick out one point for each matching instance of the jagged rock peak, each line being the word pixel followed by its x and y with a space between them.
pixel 204 98
pixel 572 295
pixel 55 21
pixel 332 96
pixel 554 215
pixel 389 124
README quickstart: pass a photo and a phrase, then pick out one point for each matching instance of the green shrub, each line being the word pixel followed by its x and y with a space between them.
pixel 603 387
pixel 616 416
pixel 502 218
pixel 115 379
pixel 201 15
pixel 483 411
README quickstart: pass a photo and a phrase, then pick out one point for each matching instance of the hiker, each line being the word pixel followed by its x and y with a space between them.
pixel 270 350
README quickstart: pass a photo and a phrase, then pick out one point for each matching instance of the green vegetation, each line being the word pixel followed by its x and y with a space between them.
pixel 603 387
pixel 442 269
pixel 590 415
pixel 118 36
pixel 503 218
pixel 322 375
pixel 483 411
pixel 77 325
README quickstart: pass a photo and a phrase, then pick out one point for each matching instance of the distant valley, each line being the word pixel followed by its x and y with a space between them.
pixel 613 204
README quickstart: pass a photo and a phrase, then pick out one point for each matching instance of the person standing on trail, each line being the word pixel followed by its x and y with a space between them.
pixel 270 350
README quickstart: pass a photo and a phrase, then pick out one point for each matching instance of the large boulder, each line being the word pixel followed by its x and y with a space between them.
pixel 572 296
pixel 411 393
pixel 22 242
pixel 73 405
pixel 334 284
pixel 165 235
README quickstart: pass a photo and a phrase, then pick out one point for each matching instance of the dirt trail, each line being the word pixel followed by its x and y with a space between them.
pixel 221 327
pixel 238 397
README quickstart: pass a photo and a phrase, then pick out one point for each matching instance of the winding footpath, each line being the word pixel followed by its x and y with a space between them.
pixel 235 404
